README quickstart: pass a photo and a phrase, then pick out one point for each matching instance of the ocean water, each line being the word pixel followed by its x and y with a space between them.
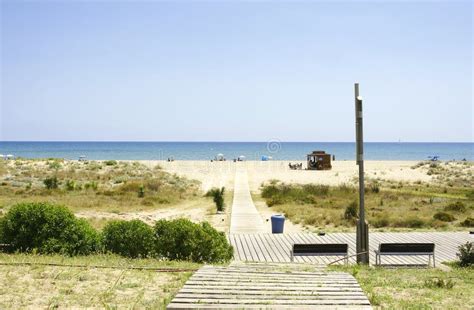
pixel 251 150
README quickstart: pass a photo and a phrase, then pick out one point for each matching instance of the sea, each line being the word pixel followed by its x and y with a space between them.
pixel 274 149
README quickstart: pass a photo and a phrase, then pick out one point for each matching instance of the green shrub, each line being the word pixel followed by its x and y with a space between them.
pixel 91 185
pixel 468 222
pixel 351 211
pixel 51 183
pixel 47 228
pixel 128 238
pixel 443 216
pixel 110 162
pixel 457 206
pixel 141 191
pixel 56 165
pixel 218 197
pixel 466 254
pixel 182 239
pixel 70 185
pixel 273 201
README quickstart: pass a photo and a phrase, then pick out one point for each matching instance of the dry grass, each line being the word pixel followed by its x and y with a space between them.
pixel 410 288
pixel 39 286
pixel 389 205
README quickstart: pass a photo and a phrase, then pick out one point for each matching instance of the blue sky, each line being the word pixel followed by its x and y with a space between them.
pixel 235 71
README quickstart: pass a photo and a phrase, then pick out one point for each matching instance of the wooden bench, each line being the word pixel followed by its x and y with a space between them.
pixel 405 249
pixel 319 249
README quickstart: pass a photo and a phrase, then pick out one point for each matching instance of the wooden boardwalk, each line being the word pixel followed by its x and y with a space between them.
pixel 244 217
pixel 267 286
pixel 276 247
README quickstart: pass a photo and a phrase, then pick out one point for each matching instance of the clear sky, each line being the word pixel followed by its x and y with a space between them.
pixel 235 71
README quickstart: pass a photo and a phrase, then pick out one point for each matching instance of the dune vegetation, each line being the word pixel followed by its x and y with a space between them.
pixel 102 185
pixel 447 203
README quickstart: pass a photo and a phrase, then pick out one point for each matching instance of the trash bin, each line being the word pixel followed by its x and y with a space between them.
pixel 278 222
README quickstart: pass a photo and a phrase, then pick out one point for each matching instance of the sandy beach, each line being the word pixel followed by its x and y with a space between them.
pixel 212 174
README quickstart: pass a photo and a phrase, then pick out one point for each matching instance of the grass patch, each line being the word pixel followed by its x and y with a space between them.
pixel 37 286
pixel 409 288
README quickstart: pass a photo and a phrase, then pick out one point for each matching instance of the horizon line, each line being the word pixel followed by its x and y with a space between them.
pixel 219 141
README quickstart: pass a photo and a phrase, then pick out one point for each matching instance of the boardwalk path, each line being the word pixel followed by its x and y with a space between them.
pixel 244 217
pixel 276 247
pixel 262 286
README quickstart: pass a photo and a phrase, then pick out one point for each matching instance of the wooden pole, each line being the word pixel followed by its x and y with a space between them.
pixel 362 242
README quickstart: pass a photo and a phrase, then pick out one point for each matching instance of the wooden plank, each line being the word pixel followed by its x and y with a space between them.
pixel 340 302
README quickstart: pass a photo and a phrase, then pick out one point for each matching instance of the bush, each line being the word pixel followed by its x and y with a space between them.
pixel 70 185
pixel 443 216
pixel 466 254
pixel 182 239
pixel 141 191
pixel 351 211
pixel 273 201
pixel 47 228
pixel 110 162
pixel 374 188
pixel 51 183
pixel 468 222
pixel 128 238
pixel 218 197
pixel 457 206
pixel 92 185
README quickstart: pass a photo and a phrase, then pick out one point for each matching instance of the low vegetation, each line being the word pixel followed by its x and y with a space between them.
pixel 389 205
pixel 217 195
pixel 48 282
pixel 117 186
pixel 47 228
pixel 415 288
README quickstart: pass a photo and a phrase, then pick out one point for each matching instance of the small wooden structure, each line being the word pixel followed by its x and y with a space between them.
pixel 319 160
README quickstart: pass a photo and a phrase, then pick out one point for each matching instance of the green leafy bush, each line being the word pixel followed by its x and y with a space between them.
pixel 182 239
pixel 466 254
pixel 47 228
pixel 51 183
pixel 457 206
pixel 218 197
pixel 128 238
pixel 443 216
pixel 110 162
pixel 351 211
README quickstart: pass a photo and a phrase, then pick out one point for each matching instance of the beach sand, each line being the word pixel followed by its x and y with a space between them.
pixel 212 174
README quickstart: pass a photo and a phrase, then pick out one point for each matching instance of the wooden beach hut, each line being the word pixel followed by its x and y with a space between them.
pixel 319 160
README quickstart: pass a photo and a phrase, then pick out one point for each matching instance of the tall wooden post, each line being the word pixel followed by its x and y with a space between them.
pixel 362 242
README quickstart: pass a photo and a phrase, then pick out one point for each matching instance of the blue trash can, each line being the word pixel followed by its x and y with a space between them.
pixel 278 223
